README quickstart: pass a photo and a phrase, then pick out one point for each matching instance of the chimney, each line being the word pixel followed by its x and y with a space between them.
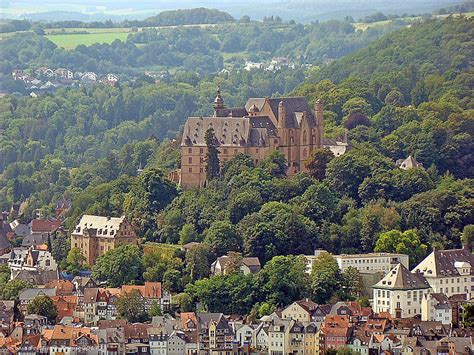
pixel 281 114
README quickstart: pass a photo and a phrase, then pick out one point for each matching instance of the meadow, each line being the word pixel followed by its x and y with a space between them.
pixel 71 41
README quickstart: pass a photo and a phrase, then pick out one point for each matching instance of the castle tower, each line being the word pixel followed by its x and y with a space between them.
pixel 281 115
pixel 218 104
pixel 318 114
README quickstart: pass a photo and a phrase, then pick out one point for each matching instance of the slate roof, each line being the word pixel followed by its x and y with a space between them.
pixel 38 277
pixel 5 230
pixel 441 263
pixel 308 305
pixel 20 229
pixel 205 319
pixel 293 105
pixel 250 261
pixel 400 278
pixel 30 293
pixel 237 129
pixel 34 239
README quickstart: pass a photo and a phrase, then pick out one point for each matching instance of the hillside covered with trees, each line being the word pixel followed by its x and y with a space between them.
pixel 408 93
pixel 198 50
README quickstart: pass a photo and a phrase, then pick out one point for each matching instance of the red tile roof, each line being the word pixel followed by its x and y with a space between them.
pixel 45 226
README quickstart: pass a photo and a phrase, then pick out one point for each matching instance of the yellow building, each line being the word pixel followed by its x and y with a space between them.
pixel 95 235
pixel 311 339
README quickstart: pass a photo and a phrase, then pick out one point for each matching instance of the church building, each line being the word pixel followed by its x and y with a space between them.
pixel 287 124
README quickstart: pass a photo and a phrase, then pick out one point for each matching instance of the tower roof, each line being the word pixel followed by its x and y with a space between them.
pixel 218 101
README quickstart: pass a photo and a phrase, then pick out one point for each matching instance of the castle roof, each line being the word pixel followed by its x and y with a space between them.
pixel 229 131
pixel 294 108
pixel 235 128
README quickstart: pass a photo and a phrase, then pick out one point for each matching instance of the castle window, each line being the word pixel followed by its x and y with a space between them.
pixel 304 153
pixel 201 150
pixel 190 150
pixel 190 170
pixel 275 141
pixel 190 160
pixel 225 150
pixel 304 137
pixel 292 140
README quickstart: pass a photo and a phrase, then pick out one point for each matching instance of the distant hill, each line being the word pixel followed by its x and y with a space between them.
pixel 189 17
pixel 53 16
pixel 430 46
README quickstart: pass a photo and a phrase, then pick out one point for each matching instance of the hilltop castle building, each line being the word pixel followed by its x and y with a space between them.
pixel 263 125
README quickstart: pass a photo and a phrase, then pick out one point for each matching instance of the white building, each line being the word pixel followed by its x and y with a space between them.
pixel 176 343
pixel 247 265
pixel 400 293
pixel 32 260
pixel 365 263
pixel 338 146
pixel 252 65
pixel 279 337
pixel 449 271
pixel 64 73
pixel 245 334
pixel 261 336
pixel 436 307
pixel 408 163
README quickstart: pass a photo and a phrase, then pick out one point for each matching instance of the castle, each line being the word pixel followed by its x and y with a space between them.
pixel 263 125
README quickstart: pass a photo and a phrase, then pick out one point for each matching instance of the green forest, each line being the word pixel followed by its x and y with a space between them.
pixel 201 51
pixel 408 93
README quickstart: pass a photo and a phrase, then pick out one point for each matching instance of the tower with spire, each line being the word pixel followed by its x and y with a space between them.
pixel 218 105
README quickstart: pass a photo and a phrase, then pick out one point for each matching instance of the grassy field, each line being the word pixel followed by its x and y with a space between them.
pixel 70 41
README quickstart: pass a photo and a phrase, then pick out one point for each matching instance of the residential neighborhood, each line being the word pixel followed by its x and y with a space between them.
pixel 278 177
pixel 409 312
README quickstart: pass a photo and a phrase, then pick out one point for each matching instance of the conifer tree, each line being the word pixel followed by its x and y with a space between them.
pixel 212 155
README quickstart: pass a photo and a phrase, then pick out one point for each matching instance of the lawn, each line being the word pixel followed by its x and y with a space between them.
pixel 70 41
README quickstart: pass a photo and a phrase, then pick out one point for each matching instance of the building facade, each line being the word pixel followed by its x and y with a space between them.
pixel 365 263
pixel 449 271
pixel 287 124
pixel 400 293
pixel 95 235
